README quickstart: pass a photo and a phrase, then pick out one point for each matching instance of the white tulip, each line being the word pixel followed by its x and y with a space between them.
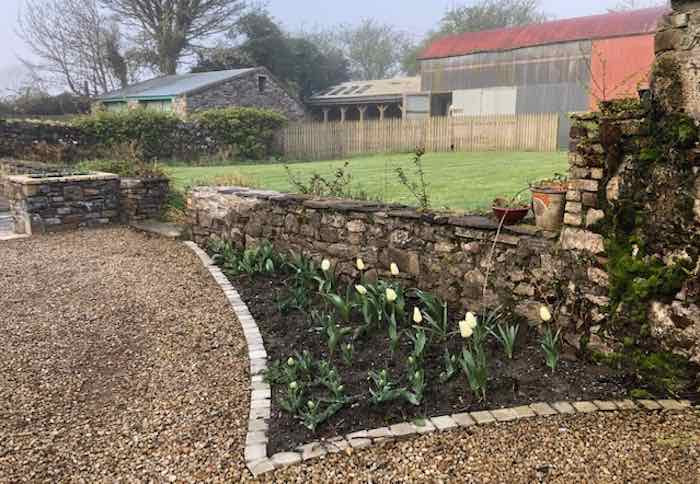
pixel 325 265
pixel 290 361
pixel 391 295
pixel 471 320
pixel 545 314
pixel 293 385
pixel 417 316
pixel 465 330
pixel 394 269
pixel 360 264
pixel 362 290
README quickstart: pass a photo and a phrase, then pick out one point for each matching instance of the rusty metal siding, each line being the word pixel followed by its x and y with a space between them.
pixel 553 64
pixel 620 66
pixel 615 24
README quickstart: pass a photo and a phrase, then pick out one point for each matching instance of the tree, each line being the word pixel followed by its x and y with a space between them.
pixel 374 50
pixel 176 27
pixel 76 44
pixel 297 60
pixel 626 5
pixel 476 17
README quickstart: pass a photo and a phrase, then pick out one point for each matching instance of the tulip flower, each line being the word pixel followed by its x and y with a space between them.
pixel 360 264
pixel 394 269
pixel 417 316
pixel 325 265
pixel 362 290
pixel 470 319
pixel 293 385
pixel 465 329
pixel 290 361
pixel 545 314
pixel 391 295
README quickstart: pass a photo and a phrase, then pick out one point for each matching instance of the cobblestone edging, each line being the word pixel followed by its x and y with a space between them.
pixel 258 461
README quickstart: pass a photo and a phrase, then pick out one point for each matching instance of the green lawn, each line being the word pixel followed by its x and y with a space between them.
pixel 466 181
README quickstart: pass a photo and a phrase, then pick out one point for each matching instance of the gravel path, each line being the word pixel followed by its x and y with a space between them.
pixel 604 448
pixel 120 359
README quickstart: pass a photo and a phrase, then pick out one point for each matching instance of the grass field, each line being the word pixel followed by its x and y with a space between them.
pixel 462 181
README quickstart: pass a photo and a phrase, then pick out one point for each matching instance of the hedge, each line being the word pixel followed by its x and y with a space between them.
pixel 251 131
pixel 248 132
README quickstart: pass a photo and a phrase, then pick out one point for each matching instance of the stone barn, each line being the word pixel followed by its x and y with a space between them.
pixel 184 94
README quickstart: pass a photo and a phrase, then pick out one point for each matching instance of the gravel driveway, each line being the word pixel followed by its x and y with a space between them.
pixel 120 360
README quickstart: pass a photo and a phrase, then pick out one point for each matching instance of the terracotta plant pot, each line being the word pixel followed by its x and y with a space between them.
pixel 510 215
pixel 548 202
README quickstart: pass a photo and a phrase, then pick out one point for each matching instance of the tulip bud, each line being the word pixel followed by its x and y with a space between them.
pixel 291 361
pixel 325 265
pixel 417 316
pixel 310 404
pixel 360 264
pixel 391 295
pixel 545 314
pixel 293 385
pixel 361 290
pixel 465 329
pixel 394 269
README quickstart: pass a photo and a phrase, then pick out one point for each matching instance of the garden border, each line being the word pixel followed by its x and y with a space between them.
pixel 258 462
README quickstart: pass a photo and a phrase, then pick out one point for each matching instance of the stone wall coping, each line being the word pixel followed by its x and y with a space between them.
pixel 134 181
pixel 258 461
pixel 38 180
pixel 479 222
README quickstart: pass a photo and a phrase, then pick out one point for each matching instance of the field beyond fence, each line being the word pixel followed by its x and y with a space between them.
pixel 520 132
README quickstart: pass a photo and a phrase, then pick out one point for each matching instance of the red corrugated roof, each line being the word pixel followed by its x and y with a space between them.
pixel 617 24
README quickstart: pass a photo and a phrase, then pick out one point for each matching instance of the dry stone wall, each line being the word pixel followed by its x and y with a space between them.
pixel 143 198
pixel 443 253
pixel 41 205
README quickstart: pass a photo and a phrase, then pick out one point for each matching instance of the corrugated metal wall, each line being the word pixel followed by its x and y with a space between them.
pixel 620 66
pixel 553 78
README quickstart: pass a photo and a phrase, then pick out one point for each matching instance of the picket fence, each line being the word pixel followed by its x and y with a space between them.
pixel 520 132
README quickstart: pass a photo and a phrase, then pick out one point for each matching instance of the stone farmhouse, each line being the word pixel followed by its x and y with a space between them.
pixel 184 94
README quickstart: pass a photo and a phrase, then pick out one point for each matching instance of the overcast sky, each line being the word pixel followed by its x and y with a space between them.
pixel 411 15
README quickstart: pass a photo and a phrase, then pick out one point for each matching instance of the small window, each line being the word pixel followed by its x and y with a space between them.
pixel 262 84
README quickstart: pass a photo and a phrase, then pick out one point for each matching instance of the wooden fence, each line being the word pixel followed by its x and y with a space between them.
pixel 520 132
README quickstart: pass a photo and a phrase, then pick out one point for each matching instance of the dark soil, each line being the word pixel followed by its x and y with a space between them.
pixel 525 379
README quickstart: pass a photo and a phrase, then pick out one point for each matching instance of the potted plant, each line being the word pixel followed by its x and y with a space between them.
pixel 548 202
pixel 510 211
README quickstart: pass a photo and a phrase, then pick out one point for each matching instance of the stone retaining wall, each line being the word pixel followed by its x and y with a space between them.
pixel 443 253
pixel 143 198
pixel 48 142
pixel 41 205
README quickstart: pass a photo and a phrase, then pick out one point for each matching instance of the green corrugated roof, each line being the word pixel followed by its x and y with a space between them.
pixel 170 86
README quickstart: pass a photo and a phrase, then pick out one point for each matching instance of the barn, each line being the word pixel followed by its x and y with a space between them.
pixel 560 66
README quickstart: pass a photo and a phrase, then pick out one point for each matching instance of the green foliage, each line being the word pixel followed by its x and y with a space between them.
pixel 338 185
pixel 416 380
pixel 550 344
pixel 394 335
pixel 262 259
pixel 250 130
pixel 125 168
pixel 347 351
pixel 507 335
pixel 418 187
pixel 333 332
pixel 343 305
pixel 657 373
pixel 450 362
pixel 435 316
pixel 153 133
pixel 475 366
pixel 294 399
pixel 635 279
pixel 383 389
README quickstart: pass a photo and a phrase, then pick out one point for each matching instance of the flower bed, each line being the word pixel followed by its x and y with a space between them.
pixel 365 354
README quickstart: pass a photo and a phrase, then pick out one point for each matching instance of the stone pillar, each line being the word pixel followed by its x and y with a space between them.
pixel 382 109
pixel 326 112
pixel 676 77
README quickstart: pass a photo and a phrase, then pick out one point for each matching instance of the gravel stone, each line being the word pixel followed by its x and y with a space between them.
pixel 628 447
pixel 127 362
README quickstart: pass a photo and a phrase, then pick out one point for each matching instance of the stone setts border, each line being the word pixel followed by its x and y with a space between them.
pixel 258 462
